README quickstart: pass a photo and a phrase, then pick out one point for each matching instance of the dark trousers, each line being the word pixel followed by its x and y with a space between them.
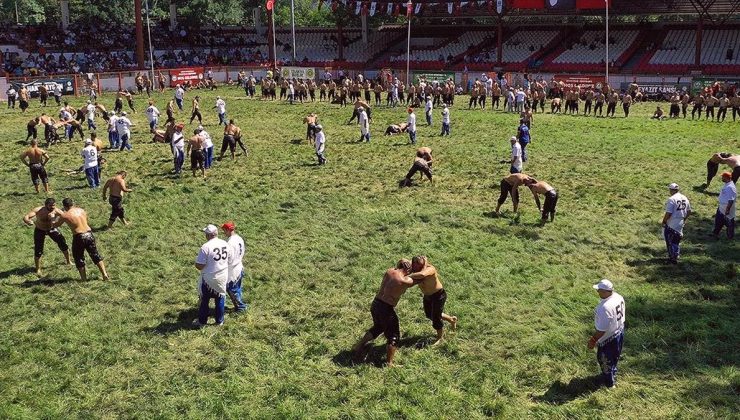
pixel 234 288
pixel 672 243
pixel 720 221
pixel 206 294
pixel 608 356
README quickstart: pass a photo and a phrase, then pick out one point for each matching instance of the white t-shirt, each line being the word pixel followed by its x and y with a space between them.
pixel 320 142
pixel 679 207
pixel 520 96
pixel 90 154
pixel 238 250
pixel 516 155
pixel 727 194
pixel 179 93
pixel 221 106
pixel 217 256
pixel 290 89
pixel 429 107
pixel 364 122
pixel 122 125
pixel 64 115
pixel 178 140
pixel 609 316
pixel 152 113
pixel 446 116
pixel 411 122
pixel 207 140
pixel 112 123
pixel 90 111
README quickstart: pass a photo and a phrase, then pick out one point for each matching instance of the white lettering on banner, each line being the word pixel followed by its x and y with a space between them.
pixel 298 73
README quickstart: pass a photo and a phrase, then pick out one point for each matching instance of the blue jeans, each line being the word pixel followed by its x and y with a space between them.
pixel 209 157
pixel 524 150
pixel 445 129
pixel 179 159
pixel 412 137
pixel 672 243
pixel 179 103
pixel 720 221
pixel 205 300
pixel 608 355
pixel 125 141
pixel 222 119
pixel 91 124
pixel 513 170
pixel 93 177
pixel 429 119
pixel 235 293
pixel 113 139
pixel 153 124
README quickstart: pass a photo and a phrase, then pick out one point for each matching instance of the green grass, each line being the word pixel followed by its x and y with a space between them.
pixel 319 239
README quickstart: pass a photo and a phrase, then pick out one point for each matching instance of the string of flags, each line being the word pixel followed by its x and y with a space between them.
pixel 371 8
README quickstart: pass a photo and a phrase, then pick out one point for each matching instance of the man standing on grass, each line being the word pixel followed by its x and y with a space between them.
pixel 516 156
pixel 236 269
pixel 320 144
pixel 117 187
pixel 411 127
pixel 90 155
pixel 434 295
pixel 123 127
pixel 383 310
pixel 429 107
pixel 677 210
pixel 551 197
pixel 726 211
pixel 36 158
pixel 231 132
pixel 609 318
pixel 364 125
pixel 213 261
pixel 220 110
pixel 179 96
pixel 445 121
pixel 207 146
pixel 43 218
pixel 82 237
pixel 524 137
pixel 510 185
pixel 196 153
pixel 178 148
pixel 152 114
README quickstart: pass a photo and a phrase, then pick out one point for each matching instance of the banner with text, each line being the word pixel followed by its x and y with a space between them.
pixel 654 88
pixel 700 83
pixel 193 75
pixel 67 85
pixel 434 76
pixel 594 82
pixel 298 73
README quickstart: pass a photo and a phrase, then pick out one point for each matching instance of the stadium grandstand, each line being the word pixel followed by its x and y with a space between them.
pixel 568 36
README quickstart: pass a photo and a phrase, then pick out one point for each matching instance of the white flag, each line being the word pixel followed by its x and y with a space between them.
pixel 389 11
pixel 372 8
pixel 449 8
pixel 499 6
pixel 358 6
pixel 417 9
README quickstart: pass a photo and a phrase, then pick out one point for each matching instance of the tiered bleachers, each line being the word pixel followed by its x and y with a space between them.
pixel 676 54
pixel 310 46
pixel 447 52
pixel 588 52
pixel 524 44
pixel 356 51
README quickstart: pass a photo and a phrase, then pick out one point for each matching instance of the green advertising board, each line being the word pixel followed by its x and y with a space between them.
pixel 699 83
pixel 431 76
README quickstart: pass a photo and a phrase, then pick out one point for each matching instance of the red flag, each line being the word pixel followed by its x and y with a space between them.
pixel 334 6
pixel 592 4
pixel 397 10
pixel 270 4
pixel 409 9
pixel 490 6
pixel 528 4
pixel 364 9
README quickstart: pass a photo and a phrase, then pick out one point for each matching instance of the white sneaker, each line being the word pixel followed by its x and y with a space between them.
pixel 197 324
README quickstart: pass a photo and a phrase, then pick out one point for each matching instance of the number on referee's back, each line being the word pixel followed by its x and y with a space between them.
pixel 221 254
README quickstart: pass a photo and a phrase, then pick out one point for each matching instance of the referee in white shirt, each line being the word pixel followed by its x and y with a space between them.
pixel 677 210
pixel 725 215
pixel 214 261
pixel 236 269
pixel 609 318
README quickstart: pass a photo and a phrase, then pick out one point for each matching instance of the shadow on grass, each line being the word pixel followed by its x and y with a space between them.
pixel 375 354
pixel 703 190
pixel 181 321
pixel 21 271
pixel 76 187
pixel 296 141
pixel 46 281
pixel 560 393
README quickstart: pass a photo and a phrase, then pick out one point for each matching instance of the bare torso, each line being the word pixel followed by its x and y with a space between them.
pixel 76 219
pixel 392 287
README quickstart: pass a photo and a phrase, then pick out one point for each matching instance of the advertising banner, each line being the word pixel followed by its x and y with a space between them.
pixel 195 75
pixel 432 76
pixel 699 83
pixel 67 85
pixel 297 73
pixel 594 82
pixel 659 89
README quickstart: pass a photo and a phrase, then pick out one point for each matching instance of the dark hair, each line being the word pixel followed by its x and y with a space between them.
pixel 50 202
pixel 419 259
pixel 404 264
pixel 68 202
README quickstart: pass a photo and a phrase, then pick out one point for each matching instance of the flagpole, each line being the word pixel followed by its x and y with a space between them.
pixel 408 43
pixel 274 35
pixel 149 31
pixel 607 42
pixel 292 20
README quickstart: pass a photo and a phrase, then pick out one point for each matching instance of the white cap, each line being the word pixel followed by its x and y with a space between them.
pixel 513 138
pixel 123 113
pixel 604 285
pixel 210 229
pixel 673 186
pixel 360 109
pixel 88 141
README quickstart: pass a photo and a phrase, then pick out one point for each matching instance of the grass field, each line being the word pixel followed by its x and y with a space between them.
pixel 319 239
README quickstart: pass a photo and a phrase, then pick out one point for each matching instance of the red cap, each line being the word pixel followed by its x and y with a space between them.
pixel 411 109
pixel 727 175
pixel 228 226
